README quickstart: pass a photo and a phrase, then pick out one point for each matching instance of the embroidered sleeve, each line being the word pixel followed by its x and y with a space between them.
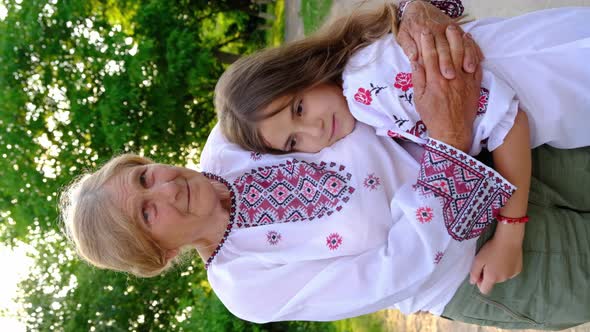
pixel 453 8
pixel 471 193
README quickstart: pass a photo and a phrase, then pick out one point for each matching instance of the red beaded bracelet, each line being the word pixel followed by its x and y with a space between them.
pixel 508 220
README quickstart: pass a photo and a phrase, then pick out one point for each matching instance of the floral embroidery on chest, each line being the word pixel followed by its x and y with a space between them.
pixel 372 182
pixel 292 191
pixel 255 156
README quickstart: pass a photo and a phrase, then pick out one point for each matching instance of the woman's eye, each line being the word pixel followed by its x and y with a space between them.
pixel 142 179
pixel 145 215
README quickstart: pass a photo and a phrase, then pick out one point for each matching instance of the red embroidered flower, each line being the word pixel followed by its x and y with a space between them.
pixel 273 237
pixel 438 257
pixel 333 241
pixel 484 95
pixel 372 182
pixel 418 130
pixel 424 214
pixel 363 96
pixel 255 155
pixel 403 81
pixel 393 134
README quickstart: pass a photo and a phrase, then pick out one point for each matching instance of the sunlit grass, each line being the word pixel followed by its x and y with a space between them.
pixel 276 35
pixel 368 323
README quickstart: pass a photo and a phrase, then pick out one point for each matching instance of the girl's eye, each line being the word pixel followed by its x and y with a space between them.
pixel 299 110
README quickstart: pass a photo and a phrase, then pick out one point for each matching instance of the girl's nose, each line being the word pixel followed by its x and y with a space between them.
pixel 313 128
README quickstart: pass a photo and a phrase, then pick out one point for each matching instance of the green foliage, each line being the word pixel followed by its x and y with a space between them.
pixel 314 13
pixel 81 81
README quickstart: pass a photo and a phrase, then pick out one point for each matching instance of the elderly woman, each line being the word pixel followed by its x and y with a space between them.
pixel 352 229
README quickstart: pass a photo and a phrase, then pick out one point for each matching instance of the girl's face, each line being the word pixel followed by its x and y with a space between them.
pixel 317 118
pixel 176 205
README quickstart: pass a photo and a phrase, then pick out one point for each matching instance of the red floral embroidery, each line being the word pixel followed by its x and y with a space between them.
pixel 372 182
pixel 424 214
pixel 484 95
pixel 403 81
pixel 333 241
pixel 418 130
pixel 363 96
pixel 393 134
pixel 273 237
pixel 255 155
pixel 438 257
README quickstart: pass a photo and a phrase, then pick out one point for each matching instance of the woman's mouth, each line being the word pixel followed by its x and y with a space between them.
pixel 188 196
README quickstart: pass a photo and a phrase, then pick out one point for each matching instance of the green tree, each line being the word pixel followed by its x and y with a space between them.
pixel 80 81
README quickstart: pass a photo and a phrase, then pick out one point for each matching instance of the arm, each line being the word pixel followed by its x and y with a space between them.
pixel 501 257
pixel 420 15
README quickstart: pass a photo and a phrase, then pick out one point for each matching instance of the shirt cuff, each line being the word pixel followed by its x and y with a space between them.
pixel 471 193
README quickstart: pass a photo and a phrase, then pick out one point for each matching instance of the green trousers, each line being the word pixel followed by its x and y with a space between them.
pixel 553 290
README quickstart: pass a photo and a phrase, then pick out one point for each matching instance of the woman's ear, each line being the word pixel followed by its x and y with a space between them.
pixel 170 254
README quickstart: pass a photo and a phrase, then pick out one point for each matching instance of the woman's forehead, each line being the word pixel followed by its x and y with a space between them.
pixel 122 190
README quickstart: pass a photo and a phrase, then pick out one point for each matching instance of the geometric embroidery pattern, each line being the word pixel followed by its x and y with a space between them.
pixel 292 191
pixel 273 237
pixel 333 241
pixel 471 195
pixel 372 182
pixel 424 214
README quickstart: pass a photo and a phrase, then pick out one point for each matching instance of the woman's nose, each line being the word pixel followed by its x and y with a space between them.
pixel 168 190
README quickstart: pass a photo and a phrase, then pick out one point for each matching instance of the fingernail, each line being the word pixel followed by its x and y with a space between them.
pixel 450 72
pixel 452 27
pixel 471 66
pixel 414 65
pixel 469 35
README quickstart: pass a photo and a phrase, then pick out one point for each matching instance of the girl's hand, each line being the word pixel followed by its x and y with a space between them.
pixel 421 15
pixel 447 107
pixel 498 260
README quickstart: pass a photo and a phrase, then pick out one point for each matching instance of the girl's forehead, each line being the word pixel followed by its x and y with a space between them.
pixel 277 105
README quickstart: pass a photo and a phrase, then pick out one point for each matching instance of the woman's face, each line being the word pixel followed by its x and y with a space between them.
pixel 317 118
pixel 177 206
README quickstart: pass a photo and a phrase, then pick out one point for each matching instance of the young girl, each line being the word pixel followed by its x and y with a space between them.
pixel 541 72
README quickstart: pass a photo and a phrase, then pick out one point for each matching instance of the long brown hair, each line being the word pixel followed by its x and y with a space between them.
pixel 254 82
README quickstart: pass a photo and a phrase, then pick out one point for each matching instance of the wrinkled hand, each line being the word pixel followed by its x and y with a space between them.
pixel 496 262
pixel 447 107
pixel 419 16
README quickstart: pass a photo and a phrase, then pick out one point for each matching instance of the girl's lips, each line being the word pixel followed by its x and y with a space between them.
pixel 333 127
